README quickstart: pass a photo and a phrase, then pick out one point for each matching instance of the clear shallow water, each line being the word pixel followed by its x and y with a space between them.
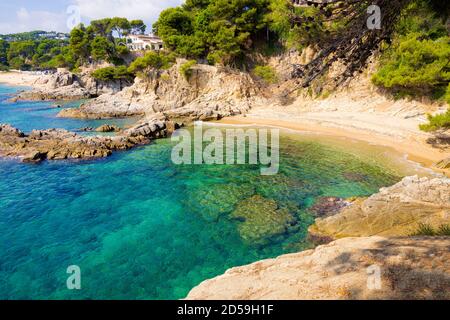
pixel 27 116
pixel 142 228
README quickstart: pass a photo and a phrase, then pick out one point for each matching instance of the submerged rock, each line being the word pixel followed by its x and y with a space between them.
pixel 58 144
pixel 261 218
pixel 328 206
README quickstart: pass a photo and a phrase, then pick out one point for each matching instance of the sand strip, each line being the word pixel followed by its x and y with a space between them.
pixel 17 78
pixel 416 150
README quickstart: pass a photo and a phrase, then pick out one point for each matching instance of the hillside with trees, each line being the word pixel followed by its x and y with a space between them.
pixel 413 45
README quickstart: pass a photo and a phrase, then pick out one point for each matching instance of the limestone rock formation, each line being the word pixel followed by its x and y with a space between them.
pixel 394 211
pixel 443 164
pixel 409 268
pixel 210 93
pixel 57 144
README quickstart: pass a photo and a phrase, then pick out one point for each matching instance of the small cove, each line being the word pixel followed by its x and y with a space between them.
pixel 141 227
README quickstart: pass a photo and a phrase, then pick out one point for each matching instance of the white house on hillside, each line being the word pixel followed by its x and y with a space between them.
pixel 136 42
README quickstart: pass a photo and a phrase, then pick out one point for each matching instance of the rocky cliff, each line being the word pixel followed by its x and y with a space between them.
pixel 209 92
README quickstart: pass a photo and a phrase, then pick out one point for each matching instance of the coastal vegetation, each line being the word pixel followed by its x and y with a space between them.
pixel 151 62
pixel 417 61
pixel 31 54
pixel 119 73
pixel 102 40
pixel 437 122
pixel 427 230
pixel 266 74
pixel 216 30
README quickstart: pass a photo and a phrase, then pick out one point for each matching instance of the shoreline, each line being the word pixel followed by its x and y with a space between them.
pixel 19 79
pixel 401 135
pixel 416 151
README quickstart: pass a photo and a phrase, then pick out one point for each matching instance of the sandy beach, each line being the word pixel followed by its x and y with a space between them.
pixel 408 142
pixel 17 78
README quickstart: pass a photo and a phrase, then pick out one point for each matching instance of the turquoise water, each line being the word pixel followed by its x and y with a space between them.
pixel 42 115
pixel 141 227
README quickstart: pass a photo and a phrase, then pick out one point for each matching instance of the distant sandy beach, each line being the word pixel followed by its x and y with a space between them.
pixel 17 78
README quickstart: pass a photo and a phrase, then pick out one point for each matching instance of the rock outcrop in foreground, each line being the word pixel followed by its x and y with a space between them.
pixel 395 211
pixel 209 93
pixel 410 268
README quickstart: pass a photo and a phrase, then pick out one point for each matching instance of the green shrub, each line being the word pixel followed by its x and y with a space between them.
pixel 186 69
pixel 427 230
pixel 266 73
pixel 165 77
pixel 112 73
pixel 437 122
pixel 444 230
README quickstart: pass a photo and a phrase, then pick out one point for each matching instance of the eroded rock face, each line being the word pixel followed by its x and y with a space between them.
pixel 394 211
pixel 410 268
pixel 64 85
pixel 107 128
pixel 210 93
pixel 57 144
pixel 261 218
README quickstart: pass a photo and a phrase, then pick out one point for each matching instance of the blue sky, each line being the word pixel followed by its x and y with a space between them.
pixel 53 15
